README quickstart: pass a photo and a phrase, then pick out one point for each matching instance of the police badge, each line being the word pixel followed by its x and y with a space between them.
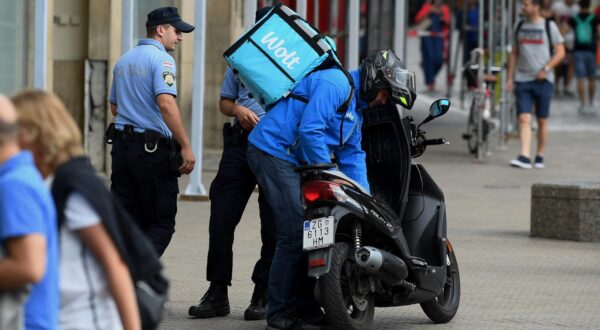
pixel 169 78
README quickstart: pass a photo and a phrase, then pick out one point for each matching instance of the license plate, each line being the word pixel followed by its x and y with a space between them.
pixel 318 233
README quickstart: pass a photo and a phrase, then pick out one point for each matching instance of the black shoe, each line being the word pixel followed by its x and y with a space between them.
pixel 288 322
pixel 258 305
pixel 214 303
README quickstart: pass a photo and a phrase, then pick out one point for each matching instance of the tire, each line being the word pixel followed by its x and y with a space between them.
pixel 443 308
pixel 337 291
pixel 472 129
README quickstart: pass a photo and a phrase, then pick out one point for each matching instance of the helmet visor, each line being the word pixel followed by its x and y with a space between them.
pixel 403 84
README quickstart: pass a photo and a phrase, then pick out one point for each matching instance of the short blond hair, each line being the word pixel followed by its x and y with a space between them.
pixel 46 119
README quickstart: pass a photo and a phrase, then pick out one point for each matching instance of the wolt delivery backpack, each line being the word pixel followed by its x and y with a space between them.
pixel 278 52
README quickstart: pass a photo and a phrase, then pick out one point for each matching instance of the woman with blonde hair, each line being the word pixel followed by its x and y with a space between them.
pixel 96 287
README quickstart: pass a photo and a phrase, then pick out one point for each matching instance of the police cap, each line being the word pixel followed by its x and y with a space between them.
pixel 168 15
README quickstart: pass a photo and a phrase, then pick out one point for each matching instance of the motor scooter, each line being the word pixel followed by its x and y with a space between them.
pixel 388 247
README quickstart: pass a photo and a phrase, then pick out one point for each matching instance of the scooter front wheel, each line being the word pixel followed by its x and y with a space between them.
pixel 443 308
pixel 344 292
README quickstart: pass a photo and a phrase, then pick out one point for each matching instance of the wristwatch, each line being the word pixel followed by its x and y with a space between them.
pixel 546 68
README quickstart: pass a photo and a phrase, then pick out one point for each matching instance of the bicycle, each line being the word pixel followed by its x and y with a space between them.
pixel 480 121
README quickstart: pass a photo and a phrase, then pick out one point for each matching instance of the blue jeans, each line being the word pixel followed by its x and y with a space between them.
pixel 288 275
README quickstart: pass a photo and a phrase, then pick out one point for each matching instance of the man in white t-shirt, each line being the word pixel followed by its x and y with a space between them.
pixel 531 62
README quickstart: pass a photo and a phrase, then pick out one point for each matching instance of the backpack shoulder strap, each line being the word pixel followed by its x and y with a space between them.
pixel 519 26
pixel 550 45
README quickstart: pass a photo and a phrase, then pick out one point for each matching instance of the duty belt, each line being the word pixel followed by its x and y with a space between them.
pixel 150 138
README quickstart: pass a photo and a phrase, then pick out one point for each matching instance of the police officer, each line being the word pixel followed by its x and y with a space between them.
pixel 229 194
pixel 295 133
pixel 150 145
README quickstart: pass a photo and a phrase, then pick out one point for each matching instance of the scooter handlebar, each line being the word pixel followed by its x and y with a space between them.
pixel 432 142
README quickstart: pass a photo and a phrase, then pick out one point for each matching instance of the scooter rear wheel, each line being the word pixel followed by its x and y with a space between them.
pixel 344 300
pixel 443 308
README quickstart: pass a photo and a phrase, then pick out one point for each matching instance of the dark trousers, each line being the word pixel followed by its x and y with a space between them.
pixel 144 183
pixel 229 194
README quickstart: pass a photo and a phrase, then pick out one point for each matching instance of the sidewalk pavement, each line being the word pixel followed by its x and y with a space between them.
pixel 509 280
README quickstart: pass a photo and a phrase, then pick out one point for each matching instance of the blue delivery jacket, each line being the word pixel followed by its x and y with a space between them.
pixel 309 133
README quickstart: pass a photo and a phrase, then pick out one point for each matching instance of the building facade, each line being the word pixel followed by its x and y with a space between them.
pixel 84 41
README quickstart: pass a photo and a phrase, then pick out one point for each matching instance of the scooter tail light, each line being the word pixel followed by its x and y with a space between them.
pixel 322 190
pixel 318 262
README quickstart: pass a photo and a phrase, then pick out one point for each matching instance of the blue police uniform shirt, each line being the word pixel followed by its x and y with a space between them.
pixel 26 208
pixel 140 75
pixel 233 89
pixel 309 133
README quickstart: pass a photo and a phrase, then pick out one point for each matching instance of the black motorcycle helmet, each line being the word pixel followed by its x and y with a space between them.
pixel 384 70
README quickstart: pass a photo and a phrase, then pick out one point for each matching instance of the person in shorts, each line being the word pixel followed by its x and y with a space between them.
pixel 585 24
pixel 530 68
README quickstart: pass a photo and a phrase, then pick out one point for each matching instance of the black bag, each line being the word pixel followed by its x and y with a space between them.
pixel 136 250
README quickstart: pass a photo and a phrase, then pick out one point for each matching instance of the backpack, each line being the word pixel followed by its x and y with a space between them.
pixel 584 33
pixel 278 52
pixel 136 250
pixel 546 26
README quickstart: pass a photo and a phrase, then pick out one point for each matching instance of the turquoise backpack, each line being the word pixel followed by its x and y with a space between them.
pixel 583 30
pixel 278 52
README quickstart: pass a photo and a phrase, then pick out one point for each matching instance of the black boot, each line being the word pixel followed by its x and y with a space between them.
pixel 214 303
pixel 258 304
pixel 289 322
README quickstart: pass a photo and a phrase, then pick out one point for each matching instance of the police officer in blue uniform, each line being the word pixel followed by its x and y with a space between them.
pixel 229 194
pixel 150 145
pixel 295 133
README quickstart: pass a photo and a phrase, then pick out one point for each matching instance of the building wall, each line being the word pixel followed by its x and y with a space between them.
pixel 69 51
pixel 83 31
pixel 223 25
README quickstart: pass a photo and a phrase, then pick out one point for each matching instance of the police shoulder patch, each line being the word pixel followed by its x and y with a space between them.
pixel 169 78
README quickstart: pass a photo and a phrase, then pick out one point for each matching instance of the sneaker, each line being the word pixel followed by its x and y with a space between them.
pixel 539 162
pixel 214 303
pixel 583 110
pixel 258 305
pixel 522 162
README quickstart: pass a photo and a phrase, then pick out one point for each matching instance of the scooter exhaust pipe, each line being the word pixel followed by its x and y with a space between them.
pixel 382 264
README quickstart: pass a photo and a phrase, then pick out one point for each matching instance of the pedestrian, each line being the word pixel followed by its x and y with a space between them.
pixel 148 128
pixel 470 18
pixel 28 235
pixel 96 290
pixel 229 194
pixel 585 25
pixel 563 10
pixel 435 16
pixel 294 133
pixel 530 67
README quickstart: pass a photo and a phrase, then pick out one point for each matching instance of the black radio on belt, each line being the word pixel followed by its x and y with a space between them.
pixel 175 156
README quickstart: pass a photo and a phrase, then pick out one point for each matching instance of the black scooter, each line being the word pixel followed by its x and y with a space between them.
pixel 387 248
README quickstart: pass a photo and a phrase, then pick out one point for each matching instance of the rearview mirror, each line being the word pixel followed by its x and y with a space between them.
pixel 437 109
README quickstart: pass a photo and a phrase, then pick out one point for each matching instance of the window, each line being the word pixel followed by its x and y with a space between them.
pixel 13 47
